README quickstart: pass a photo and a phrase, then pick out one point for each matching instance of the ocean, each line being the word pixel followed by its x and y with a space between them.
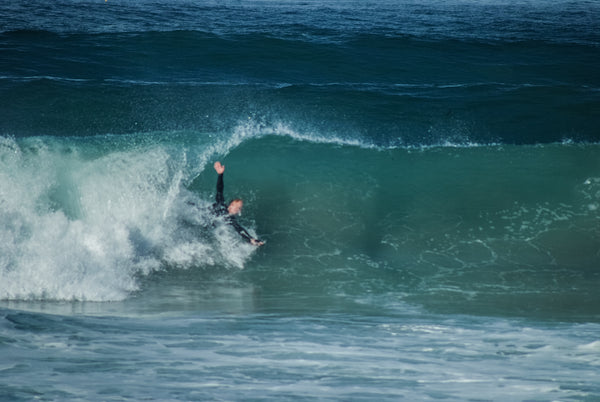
pixel 425 175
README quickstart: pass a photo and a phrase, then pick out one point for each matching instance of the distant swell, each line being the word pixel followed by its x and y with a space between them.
pixel 381 87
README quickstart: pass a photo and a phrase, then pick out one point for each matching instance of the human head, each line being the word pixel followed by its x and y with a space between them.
pixel 235 207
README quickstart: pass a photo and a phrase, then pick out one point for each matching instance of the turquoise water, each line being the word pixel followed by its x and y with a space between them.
pixel 426 177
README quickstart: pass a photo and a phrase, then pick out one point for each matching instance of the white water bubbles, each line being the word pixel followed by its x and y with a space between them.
pixel 591 193
pixel 83 222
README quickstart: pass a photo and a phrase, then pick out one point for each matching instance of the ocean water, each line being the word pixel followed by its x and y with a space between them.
pixel 426 176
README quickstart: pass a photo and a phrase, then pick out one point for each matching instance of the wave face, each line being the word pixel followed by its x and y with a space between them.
pixel 489 228
pixel 383 147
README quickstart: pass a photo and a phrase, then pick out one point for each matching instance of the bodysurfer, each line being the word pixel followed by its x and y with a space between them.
pixel 232 210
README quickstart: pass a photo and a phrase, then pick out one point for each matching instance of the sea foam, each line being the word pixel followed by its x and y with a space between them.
pixel 79 226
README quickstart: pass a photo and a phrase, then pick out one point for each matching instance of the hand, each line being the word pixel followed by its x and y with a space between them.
pixel 257 242
pixel 219 168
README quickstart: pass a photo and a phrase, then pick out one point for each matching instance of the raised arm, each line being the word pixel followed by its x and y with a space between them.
pixel 229 215
pixel 220 169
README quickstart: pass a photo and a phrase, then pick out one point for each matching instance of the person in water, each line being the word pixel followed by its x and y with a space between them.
pixel 232 210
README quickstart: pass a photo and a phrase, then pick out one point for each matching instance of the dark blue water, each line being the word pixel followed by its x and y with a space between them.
pixel 426 176
pixel 394 73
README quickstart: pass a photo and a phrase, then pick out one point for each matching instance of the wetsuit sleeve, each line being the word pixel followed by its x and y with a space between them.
pixel 220 198
pixel 243 232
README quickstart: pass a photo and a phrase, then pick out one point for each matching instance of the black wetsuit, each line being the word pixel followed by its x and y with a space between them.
pixel 220 209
